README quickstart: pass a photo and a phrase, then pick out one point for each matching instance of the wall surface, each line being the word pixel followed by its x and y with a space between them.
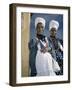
pixel 24 44
pixel 4 45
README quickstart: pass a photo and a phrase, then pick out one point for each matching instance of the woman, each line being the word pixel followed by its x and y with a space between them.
pixel 44 61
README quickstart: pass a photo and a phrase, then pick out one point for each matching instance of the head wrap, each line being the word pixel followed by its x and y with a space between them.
pixel 39 20
pixel 53 24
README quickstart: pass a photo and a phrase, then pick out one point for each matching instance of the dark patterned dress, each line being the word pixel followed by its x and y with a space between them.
pixel 56 53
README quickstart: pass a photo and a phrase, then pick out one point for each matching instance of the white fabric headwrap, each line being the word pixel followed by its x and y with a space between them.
pixel 53 24
pixel 39 20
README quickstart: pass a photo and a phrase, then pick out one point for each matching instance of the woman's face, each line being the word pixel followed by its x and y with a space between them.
pixel 53 32
pixel 40 28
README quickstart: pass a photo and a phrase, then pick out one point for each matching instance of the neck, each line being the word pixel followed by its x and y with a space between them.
pixel 39 34
pixel 52 36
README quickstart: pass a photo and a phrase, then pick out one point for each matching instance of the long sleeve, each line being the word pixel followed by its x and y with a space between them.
pixel 60 46
pixel 32 56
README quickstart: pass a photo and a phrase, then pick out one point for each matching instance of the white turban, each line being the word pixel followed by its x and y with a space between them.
pixel 39 20
pixel 53 24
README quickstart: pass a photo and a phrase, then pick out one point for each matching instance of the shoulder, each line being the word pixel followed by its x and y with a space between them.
pixel 60 40
pixel 32 41
pixel 48 38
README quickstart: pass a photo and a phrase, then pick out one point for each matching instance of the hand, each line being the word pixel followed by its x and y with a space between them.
pixel 44 50
pixel 37 40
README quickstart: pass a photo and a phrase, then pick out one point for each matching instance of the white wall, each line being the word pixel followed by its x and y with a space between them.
pixel 4 44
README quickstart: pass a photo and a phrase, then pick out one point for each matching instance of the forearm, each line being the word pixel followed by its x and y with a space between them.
pixel 44 50
pixel 60 46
